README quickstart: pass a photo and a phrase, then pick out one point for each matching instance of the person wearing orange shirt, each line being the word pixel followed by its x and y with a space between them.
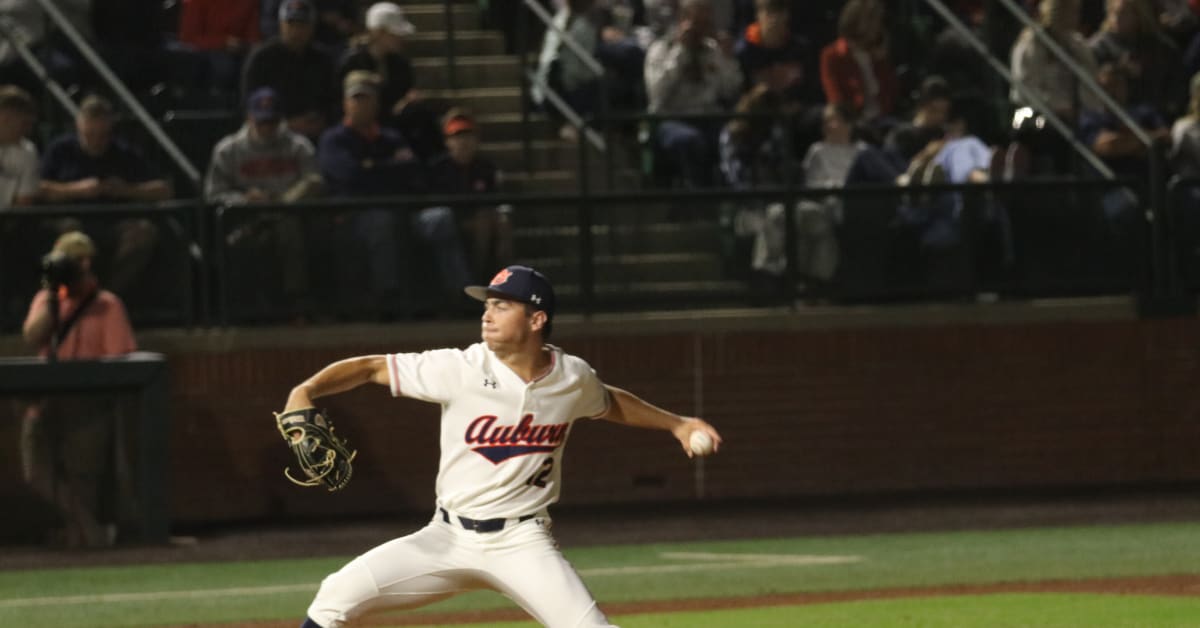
pixel 69 444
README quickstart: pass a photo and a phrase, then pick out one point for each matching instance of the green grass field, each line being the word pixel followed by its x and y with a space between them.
pixel 178 594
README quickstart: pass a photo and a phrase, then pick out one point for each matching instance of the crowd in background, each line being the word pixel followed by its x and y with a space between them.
pixel 741 93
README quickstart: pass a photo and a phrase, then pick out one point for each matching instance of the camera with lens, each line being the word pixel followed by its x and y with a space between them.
pixel 59 269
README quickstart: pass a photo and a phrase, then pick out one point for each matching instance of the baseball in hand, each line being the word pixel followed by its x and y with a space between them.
pixel 701 443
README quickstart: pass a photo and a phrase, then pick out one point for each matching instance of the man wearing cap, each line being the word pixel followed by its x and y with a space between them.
pixel 362 158
pixel 91 166
pixel 461 170
pixel 264 162
pixel 508 403
pixel 381 50
pixel 301 72
pixel 73 318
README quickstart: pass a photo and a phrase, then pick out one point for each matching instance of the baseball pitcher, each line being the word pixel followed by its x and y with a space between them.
pixel 508 404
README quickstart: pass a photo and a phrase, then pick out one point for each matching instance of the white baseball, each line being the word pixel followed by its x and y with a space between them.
pixel 701 443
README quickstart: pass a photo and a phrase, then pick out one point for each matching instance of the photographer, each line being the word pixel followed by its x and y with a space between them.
pixel 70 446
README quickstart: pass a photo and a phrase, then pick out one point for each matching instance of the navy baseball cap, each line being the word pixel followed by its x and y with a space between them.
pixel 263 105
pixel 518 283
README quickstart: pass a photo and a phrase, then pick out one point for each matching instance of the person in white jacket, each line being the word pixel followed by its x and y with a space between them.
pixel 688 71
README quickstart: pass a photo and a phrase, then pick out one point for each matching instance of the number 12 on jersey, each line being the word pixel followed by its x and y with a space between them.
pixel 538 478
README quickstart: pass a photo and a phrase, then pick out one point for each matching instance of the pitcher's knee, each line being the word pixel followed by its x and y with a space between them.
pixel 342 596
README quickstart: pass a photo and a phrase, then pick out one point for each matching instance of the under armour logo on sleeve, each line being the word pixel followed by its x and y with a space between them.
pixel 489 382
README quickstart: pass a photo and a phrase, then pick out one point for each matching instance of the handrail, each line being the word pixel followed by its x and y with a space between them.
pixel 1075 68
pixel 547 19
pixel 122 92
pixel 565 109
pixel 10 33
pixel 1067 132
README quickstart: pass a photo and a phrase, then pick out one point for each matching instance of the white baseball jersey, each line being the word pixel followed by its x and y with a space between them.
pixel 502 438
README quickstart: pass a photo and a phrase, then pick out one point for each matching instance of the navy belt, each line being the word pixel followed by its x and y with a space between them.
pixel 481 525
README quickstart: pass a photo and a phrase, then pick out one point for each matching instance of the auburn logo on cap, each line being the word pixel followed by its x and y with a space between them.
pixel 501 277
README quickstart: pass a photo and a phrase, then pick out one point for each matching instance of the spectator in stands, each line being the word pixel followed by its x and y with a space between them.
pixel 300 71
pixel 856 68
pixel 462 170
pixel 1131 38
pixel 361 158
pixel 1110 139
pixel 266 163
pixel 907 139
pixel 1185 136
pixel 69 447
pixel 214 37
pixel 562 69
pixel 337 22
pixel 1121 150
pixel 92 166
pixel 689 72
pixel 621 52
pixel 381 50
pixel 1040 71
pixel 18 155
pixel 769 52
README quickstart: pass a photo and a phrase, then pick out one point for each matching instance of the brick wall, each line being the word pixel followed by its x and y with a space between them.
pixel 804 412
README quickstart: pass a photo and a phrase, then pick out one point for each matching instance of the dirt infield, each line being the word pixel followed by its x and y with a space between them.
pixel 1176 585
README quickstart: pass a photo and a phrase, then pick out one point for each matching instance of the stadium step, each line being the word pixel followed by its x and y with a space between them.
pixel 432 17
pixel 473 72
pixel 467 43
pixel 506 127
pixel 543 155
pixel 483 100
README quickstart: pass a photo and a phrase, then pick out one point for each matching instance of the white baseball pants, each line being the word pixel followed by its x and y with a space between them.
pixel 442 559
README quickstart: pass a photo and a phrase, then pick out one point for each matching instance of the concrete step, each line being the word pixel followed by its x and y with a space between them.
pixel 467 43
pixel 539 182
pixel 432 17
pixel 469 72
pixel 506 127
pixel 646 267
pixel 544 154
pixel 483 100
pixel 665 237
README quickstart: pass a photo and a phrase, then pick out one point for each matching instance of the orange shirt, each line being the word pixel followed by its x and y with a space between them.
pixel 102 330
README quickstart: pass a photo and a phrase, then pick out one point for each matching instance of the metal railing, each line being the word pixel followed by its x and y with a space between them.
pixel 593 247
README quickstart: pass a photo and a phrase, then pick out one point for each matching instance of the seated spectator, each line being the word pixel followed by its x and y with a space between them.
pixel 381 50
pixel 1132 38
pixel 1121 150
pixel 856 68
pixel 214 37
pixel 92 166
pixel 18 155
pixel 361 158
pixel 297 69
pixel 769 52
pixel 462 170
pixel 1110 139
pixel 907 139
pixel 67 443
pixel 562 69
pixel 265 163
pixel 688 72
pixel 620 50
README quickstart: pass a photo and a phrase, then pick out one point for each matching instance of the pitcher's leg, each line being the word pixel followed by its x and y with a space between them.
pixel 532 572
pixel 408 572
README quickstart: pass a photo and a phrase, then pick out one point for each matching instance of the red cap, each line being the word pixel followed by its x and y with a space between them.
pixel 458 124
